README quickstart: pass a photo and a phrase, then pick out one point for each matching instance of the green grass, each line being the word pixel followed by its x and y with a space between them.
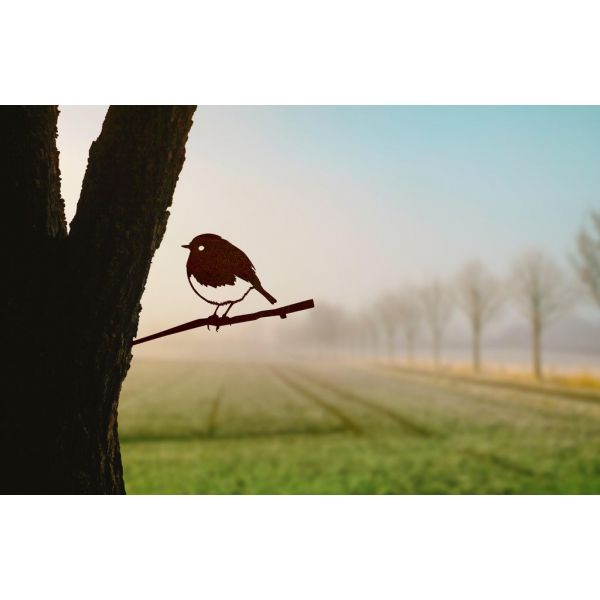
pixel 314 428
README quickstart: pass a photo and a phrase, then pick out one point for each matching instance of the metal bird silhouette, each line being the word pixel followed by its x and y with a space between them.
pixel 216 263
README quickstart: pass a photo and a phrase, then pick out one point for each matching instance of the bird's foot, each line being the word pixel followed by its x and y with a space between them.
pixel 214 320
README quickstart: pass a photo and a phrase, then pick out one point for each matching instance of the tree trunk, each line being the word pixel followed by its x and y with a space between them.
pixel 477 349
pixel 437 350
pixel 536 346
pixel 73 301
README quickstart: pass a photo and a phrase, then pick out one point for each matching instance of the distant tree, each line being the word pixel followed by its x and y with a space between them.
pixel 437 303
pixel 409 316
pixel 542 294
pixel 587 262
pixel 367 331
pixel 479 298
pixel 387 308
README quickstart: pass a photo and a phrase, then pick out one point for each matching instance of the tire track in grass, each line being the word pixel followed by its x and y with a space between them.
pixel 419 429
pixel 422 388
pixel 408 424
pixel 555 392
pixel 307 393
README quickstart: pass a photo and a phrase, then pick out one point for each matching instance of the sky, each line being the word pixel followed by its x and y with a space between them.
pixel 342 203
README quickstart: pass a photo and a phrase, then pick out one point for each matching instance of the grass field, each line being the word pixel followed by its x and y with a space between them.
pixel 350 428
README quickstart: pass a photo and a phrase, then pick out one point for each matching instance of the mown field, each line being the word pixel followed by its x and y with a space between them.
pixel 350 428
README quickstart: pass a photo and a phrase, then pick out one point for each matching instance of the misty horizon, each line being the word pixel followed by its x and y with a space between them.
pixel 350 203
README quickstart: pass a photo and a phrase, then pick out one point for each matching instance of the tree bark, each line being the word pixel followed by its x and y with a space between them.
pixel 74 300
pixel 33 236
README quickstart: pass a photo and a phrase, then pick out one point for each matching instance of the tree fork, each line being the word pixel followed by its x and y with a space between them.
pixel 73 301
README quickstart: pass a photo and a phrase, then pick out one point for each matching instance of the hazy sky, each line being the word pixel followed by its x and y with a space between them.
pixel 339 203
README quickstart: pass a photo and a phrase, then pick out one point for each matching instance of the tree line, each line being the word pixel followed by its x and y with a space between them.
pixel 537 286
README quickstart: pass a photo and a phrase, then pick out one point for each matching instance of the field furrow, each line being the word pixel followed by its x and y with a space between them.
pixel 333 427
pixel 349 423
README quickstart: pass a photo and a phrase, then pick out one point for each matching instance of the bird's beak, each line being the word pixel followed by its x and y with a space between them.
pixel 187 246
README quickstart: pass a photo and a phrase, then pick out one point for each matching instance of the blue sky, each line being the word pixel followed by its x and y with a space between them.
pixel 523 175
pixel 342 203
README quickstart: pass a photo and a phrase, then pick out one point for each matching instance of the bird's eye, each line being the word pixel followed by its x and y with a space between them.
pixel 200 248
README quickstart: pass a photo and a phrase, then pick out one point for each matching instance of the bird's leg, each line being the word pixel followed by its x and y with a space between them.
pixel 214 315
pixel 228 309
pixel 231 303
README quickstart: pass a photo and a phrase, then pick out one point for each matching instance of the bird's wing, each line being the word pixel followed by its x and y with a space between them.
pixel 241 265
pixel 210 271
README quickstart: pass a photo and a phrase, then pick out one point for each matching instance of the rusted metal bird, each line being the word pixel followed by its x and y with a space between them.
pixel 224 273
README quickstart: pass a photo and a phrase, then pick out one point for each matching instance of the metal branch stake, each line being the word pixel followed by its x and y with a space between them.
pixel 282 312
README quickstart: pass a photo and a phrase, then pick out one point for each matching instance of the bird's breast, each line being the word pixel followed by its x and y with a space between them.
pixel 224 293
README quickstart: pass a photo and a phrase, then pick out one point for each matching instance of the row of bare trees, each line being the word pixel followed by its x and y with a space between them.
pixel 537 287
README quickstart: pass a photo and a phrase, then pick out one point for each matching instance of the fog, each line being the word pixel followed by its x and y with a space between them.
pixel 346 204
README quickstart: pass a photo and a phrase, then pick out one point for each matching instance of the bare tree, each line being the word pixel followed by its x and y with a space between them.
pixel 367 330
pixel 438 304
pixel 587 262
pixel 387 308
pixel 409 316
pixel 542 294
pixel 479 297
pixel 71 299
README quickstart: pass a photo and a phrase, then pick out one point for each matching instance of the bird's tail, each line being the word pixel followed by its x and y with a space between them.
pixel 261 289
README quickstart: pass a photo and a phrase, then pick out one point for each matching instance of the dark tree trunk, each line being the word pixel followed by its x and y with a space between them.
pixel 72 301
